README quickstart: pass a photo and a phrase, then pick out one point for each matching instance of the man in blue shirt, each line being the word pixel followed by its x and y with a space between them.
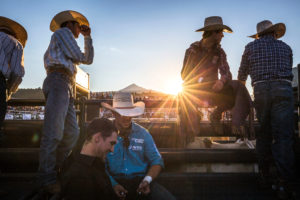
pixel 136 161
pixel 269 63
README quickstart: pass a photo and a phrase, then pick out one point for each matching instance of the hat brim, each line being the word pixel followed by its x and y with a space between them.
pixel 18 29
pixel 68 15
pixel 137 110
pixel 279 29
pixel 216 27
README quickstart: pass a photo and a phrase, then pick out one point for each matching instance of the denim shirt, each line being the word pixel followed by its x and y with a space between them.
pixel 135 161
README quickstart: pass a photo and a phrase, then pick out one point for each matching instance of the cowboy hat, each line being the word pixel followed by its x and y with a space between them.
pixel 67 15
pixel 123 105
pixel 214 23
pixel 266 26
pixel 16 28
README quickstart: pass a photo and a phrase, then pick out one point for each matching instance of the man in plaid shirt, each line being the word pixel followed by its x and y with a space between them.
pixel 269 63
pixel 60 131
pixel 13 37
pixel 203 62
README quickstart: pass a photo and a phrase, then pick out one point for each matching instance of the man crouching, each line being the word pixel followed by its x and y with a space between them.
pixel 84 175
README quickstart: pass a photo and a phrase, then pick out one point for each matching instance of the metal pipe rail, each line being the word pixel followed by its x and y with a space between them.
pixel 25 160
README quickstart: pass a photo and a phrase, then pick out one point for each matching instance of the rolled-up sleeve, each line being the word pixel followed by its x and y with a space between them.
pixel 151 152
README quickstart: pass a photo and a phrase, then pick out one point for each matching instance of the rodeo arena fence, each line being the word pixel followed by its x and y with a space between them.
pixel 190 173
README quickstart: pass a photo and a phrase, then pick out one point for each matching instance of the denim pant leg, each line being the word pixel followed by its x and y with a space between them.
pixel 56 91
pixel 262 104
pixel 189 117
pixel 71 133
pixel 282 115
pixel 242 105
pixel 3 104
pixel 160 192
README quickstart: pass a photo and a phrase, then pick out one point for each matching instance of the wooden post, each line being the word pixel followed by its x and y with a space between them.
pixel 298 92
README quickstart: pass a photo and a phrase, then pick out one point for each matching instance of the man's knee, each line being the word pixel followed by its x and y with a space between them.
pixel 160 192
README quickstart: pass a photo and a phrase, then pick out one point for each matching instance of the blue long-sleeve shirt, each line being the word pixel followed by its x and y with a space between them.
pixel 141 154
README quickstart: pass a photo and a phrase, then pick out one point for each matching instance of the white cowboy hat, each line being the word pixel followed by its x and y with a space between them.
pixel 16 28
pixel 266 26
pixel 68 15
pixel 123 104
pixel 214 23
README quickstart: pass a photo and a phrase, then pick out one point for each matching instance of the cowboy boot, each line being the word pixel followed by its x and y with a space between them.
pixel 238 131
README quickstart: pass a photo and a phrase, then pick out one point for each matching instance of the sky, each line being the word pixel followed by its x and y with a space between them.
pixel 144 41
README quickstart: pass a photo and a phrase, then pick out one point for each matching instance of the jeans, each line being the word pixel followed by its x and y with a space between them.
pixel 3 104
pixel 274 105
pixel 157 191
pixel 60 131
pixel 234 96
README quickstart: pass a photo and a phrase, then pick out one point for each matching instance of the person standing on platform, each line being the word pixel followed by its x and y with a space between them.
pixel 13 37
pixel 269 63
pixel 60 131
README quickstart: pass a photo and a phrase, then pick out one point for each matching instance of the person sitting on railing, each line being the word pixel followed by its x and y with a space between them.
pixel 60 130
pixel 202 87
pixel 83 174
pixel 136 161
pixel 13 37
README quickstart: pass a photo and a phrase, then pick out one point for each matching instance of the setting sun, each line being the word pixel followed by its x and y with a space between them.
pixel 173 86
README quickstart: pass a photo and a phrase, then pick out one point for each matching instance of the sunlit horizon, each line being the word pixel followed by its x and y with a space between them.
pixel 173 86
pixel 144 42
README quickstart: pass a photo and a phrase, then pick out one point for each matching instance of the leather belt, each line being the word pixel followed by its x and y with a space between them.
pixel 64 72
pixel 274 80
pixel 60 70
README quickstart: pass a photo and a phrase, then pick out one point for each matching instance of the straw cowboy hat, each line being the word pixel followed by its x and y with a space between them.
pixel 123 104
pixel 16 28
pixel 68 15
pixel 214 23
pixel 266 26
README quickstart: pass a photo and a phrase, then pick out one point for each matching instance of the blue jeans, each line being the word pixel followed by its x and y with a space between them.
pixel 157 191
pixel 60 131
pixel 275 109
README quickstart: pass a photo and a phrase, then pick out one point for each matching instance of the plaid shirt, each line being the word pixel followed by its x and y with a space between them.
pixel 11 61
pixel 266 59
pixel 206 63
pixel 64 51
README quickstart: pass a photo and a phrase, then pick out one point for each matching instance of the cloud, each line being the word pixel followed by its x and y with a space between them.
pixel 114 49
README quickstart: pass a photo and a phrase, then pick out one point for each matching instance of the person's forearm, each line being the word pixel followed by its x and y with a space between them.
pixel 154 171
pixel 88 50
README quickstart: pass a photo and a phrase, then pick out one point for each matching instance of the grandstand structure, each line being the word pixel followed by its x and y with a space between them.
pixel 190 173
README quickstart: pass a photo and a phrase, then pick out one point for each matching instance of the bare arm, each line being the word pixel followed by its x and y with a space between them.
pixel 153 172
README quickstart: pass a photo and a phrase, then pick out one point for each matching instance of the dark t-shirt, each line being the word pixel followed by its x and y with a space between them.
pixel 84 177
